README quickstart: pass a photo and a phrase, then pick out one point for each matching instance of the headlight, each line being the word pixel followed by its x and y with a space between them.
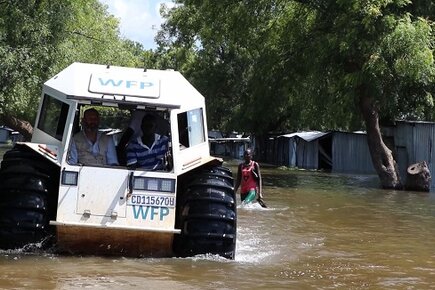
pixel 154 184
pixel 69 177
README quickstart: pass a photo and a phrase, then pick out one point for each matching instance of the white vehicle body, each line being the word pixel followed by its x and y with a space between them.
pixel 115 209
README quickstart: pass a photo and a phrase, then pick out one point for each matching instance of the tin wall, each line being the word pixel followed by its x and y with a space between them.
pixel 350 153
pixel 414 143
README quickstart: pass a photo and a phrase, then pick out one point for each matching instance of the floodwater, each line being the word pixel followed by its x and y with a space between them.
pixel 320 231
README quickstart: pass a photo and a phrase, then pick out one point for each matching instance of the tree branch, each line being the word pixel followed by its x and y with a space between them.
pixel 24 127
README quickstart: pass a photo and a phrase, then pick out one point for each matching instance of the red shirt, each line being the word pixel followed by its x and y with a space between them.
pixel 248 180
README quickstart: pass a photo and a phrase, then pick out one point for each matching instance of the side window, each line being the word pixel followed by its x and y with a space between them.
pixel 191 128
pixel 53 116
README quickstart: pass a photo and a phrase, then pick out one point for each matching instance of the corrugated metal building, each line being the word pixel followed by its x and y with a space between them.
pixel 304 150
pixel 300 149
pixel 414 142
pixel 341 152
pixel 277 151
pixel 350 153
pixel 232 146
pixel 5 134
pixel 346 152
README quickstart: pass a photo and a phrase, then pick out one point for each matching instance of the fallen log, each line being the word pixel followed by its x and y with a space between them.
pixel 418 177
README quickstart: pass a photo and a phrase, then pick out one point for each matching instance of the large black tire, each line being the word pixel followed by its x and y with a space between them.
pixel 207 215
pixel 28 198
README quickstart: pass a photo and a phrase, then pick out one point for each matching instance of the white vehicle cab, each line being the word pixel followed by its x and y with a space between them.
pixel 187 207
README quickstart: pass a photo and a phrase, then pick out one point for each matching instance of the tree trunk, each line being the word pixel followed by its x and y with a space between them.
pixel 382 157
pixel 24 127
pixel 418 177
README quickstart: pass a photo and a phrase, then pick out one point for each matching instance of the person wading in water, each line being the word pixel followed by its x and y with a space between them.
pixel 249 177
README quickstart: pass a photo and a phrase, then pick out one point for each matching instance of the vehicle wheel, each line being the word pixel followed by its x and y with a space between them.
pixel 207 215
pixel 28 198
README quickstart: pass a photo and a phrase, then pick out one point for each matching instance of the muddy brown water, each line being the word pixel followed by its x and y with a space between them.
pixel 320 231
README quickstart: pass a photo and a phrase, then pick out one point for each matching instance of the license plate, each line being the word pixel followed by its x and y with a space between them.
pixel 151 200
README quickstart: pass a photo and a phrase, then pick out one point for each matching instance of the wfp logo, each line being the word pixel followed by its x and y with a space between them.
pixel 124 85
pixel 128 84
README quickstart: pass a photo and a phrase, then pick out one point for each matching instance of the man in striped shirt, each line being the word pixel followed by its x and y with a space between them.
pixel 148 151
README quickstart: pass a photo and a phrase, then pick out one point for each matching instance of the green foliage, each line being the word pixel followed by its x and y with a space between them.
pixel 28 35
pixel 263 65
pixel 219 56
pixel 40 38
pixel 286 65
pixel 93 37
pixel 378 44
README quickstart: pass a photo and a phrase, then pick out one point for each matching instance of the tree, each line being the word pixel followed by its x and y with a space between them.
pixel 242 64
pixel 335 64
pixel 214 55
pixel 28 34
pixel 41 37
pixel 380 56
pixel 92 35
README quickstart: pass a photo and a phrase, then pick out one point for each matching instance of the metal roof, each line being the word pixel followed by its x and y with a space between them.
pixel 305 135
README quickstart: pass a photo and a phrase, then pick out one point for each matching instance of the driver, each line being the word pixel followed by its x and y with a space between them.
pixel 91 147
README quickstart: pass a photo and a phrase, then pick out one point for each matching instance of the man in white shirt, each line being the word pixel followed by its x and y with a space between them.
pixel 91 147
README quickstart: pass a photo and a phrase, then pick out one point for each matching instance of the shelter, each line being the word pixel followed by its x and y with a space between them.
pixel 350 153
pixel 341 152
pixel 309 150
pixel 5 134
pixel 414 142
pixel 232 146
